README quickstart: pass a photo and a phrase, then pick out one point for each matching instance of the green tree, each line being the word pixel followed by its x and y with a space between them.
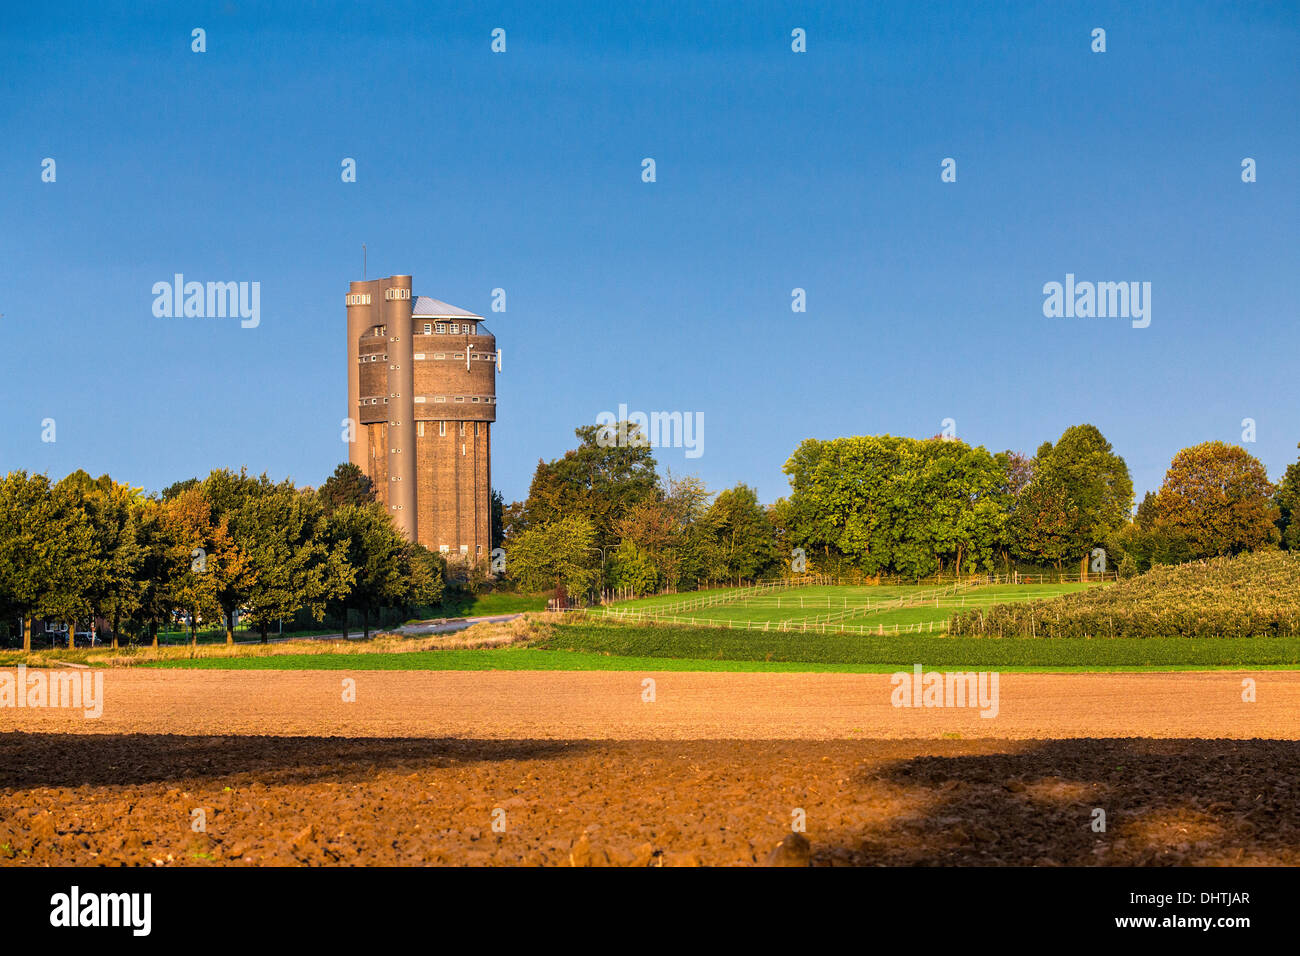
pixel 114 510
pixel 743 537
pixel 381 559
pixel 894 505
pixel 601 480
pixel 557 555
pixel 74 568
pixel 45 543
pixel 631 568
pixel 157 571
pixel 349 485
pixel 281 531
pixel 1095 483
pixel 1288 505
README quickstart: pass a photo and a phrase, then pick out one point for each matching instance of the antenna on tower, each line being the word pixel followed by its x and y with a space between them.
pixel 363 261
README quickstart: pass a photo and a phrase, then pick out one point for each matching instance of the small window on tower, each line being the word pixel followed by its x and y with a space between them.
pixel 455 328
pixel 442 428
pixel 440 328
pixel 428 328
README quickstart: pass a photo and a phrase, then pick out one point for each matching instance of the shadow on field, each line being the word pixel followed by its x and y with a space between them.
pixel 1166 802
pixel 29 761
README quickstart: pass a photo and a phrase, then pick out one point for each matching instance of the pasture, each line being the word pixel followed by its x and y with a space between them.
pixel 850 609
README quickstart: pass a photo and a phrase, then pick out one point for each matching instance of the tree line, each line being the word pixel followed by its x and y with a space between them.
pixel 88 550
pixel 233 546
pixel 884 505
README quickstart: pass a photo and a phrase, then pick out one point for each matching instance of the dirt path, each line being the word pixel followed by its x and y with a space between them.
pixel 610 705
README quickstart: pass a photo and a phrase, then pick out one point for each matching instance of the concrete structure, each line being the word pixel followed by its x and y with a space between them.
pixel 422 395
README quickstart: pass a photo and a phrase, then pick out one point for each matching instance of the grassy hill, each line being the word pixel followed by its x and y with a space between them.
pixel 1252 595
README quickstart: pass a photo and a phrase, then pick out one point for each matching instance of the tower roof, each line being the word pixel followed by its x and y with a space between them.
pixel 427 308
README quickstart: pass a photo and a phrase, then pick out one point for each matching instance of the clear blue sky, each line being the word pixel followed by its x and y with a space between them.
pixel 775 170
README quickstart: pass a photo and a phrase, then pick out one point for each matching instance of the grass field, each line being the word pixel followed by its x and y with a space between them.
pixel 858 609
pixel 659 647
pixel 753 642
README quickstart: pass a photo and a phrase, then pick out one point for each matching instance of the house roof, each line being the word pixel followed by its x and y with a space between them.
pixel 427 308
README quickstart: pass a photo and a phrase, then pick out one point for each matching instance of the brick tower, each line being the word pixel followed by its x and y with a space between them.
pixel 422 391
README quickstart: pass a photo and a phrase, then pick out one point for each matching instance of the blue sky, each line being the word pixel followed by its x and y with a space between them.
pixel 775 170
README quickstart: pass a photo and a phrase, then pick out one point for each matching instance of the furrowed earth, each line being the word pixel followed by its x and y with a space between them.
pixel 578 768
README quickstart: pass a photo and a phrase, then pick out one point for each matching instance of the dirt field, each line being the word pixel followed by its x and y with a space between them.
pixel 577 768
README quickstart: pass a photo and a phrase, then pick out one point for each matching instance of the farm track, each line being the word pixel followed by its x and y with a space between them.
pixel 711 772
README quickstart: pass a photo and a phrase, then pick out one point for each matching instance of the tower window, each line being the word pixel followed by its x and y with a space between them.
pixel 469 328
pixel 428 328
pixel 440 327
pixel 442 428
pixel 455 328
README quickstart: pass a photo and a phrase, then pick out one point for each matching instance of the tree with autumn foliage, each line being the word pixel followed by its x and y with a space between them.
pixel 1217 499
pixel 203 562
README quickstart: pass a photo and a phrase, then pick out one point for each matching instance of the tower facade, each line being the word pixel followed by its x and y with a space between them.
pixel 422 396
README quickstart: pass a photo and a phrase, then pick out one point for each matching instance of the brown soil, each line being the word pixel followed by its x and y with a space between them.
pixel 388 781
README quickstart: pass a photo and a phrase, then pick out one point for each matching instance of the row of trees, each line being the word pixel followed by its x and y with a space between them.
pixel 95 550
pixel 602 516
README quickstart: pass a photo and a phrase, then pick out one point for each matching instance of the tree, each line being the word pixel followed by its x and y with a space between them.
pixel 228 494
pixel 157 571
pixel 175 489
pixel 201 559
pixel 349 485
pixel 1288 504
pixel 1041 525
pixel 498 512
pixel 599 480
pixel 1217 499
pixel 44 548
pixel 894 505
pixel 631 568
pixel 742 533
pixel 1096 484
pixel 73 570
pixel 113 510
pixel 379 556
pixel 280 531
pixel 560 554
